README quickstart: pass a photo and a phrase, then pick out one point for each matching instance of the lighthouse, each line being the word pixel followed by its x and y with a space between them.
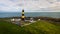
pixel 22 17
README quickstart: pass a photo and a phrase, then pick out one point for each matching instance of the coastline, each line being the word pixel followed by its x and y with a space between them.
pixel 55 21
pixel 36 18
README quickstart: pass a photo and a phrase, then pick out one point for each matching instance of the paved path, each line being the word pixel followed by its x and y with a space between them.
pixel 27 24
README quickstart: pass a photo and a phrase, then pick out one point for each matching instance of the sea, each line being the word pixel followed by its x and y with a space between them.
pixel 30 14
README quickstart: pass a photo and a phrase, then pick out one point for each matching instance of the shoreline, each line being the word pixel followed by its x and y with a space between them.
pixel 36 18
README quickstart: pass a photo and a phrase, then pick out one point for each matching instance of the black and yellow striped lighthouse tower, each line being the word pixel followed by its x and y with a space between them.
pixel 22 17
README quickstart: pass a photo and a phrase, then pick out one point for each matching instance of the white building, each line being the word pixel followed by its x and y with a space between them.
pixel 15 19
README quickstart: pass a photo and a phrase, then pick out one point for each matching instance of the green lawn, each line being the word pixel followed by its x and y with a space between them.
pixel 40 27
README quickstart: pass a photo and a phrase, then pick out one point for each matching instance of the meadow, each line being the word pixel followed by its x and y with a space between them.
pixel 39 27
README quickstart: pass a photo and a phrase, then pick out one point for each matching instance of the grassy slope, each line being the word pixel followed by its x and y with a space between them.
pixel 40 27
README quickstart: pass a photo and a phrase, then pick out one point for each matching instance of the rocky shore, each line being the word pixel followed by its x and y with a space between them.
pixel 42 18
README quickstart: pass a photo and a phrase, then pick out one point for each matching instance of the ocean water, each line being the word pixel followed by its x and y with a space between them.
pixel 30 14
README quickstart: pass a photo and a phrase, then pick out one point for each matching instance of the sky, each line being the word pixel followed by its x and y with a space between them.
pixel 29 5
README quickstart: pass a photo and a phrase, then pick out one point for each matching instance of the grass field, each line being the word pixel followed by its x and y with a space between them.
pixel 40 27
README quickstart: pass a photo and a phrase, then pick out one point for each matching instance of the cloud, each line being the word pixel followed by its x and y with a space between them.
pixel 17 5
pixel 58 0
pixel 13 0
